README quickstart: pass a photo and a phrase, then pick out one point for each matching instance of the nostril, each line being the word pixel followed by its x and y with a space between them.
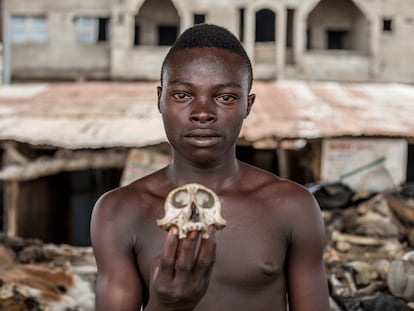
pixel 203 117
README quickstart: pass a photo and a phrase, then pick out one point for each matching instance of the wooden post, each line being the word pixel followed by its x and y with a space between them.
pixel 11 205
pixel 283 162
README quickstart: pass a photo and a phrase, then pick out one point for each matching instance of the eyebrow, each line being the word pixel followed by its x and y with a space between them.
pixel 230 84
pixel 180 83
pixel 219 86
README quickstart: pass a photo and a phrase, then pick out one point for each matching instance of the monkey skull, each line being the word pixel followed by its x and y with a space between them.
pixel 192 207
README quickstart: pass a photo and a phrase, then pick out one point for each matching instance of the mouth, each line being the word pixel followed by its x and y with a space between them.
pixel 202 138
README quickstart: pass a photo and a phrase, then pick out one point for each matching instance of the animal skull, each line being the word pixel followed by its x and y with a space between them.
pixel 192 207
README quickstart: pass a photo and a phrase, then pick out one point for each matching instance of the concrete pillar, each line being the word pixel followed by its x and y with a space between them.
pixel 185 15
pixel 6 54
pixel 299 41
pixel 122 24
pixel 300 27
pixel 374 46
pixel 280 41
pixel 186 20
pixel 249 31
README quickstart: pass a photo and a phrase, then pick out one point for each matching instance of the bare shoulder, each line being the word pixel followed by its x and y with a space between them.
pixel 276 188
pixel 114 203
pixel 137 193
pixel 290 199
pixel 293 209
pixel 129 206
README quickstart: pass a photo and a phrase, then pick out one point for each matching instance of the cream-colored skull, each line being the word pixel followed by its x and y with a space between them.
pixel 192 207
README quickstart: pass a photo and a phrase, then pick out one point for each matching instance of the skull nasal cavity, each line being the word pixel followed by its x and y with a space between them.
pixel 195 216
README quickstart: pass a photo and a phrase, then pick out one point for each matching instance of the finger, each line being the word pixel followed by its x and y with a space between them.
pixel 187 256
pixel 167 260
pixel 207 255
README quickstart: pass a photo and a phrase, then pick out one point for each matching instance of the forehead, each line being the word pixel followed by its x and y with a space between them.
pixel 206 61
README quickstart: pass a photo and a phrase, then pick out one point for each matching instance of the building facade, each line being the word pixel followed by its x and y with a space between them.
pixel 340 40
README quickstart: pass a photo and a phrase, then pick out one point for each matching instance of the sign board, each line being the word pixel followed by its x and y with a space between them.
pixel 142 162
pixel 365 164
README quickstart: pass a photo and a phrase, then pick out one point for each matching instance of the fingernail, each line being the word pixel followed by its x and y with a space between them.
pixel 174 231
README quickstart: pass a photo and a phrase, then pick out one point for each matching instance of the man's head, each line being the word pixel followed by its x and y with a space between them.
pixel 209 36
pixel 204 95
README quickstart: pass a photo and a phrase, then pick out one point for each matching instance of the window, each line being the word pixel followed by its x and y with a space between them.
pixel 337 39
pixel 199 18
pixel 137 37
pixel 103 32
pixel 91 30
pixel 387 25
pixel 167 35
pixel 25 29
pixel 265 26
pixel 241 24
pixel 86 29
pixel 308 39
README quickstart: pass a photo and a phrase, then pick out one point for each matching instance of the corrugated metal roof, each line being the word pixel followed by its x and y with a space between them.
pixel 83 115
pixel 296 109
pixel 124 114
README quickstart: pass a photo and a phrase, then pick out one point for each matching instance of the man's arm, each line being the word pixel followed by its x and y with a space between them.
pixel 179 278
pixel 182 273
pixel 307 283
pixel 118 284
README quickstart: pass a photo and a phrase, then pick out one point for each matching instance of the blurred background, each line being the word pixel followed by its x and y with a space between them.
pixel 334 110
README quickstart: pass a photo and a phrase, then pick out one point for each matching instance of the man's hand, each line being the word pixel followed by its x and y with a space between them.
pixel 181 275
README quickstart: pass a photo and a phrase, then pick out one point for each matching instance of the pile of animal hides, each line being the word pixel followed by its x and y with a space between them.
pixel 369 258
pixel 369 254
pixel 45 277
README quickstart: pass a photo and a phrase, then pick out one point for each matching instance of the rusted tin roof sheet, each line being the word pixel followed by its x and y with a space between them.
pixel 124 114
pixel 84 115
pixel 295 109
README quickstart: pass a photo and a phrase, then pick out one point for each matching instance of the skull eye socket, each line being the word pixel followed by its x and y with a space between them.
pixel 180 199
pixel 204 199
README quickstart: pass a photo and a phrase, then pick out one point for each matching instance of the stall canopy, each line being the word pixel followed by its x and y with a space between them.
pixel 92 115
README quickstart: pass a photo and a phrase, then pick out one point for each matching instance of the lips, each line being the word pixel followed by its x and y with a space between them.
pixel 202 138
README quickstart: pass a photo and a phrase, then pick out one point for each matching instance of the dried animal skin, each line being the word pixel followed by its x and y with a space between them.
pixel 192 207
pixel 365 273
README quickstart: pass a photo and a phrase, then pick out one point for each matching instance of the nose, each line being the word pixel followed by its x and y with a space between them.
pixel 203 112
pixel 195 215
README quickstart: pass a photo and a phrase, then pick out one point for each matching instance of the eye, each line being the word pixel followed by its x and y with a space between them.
pixel 180 199
pixel 181 96
pixel 226 98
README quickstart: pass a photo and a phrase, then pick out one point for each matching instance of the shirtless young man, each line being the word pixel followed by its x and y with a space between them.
pixel 270 252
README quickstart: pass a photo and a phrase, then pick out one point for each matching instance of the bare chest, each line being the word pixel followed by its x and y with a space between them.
pixel 249 253
pixel 251 249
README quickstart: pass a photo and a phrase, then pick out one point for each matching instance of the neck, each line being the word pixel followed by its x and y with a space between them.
pixel 216 176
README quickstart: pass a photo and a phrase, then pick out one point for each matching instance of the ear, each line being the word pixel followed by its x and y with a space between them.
pixel 159 92
pixel 250 102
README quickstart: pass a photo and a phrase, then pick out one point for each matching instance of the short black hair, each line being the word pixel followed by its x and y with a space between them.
pixel 209 36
